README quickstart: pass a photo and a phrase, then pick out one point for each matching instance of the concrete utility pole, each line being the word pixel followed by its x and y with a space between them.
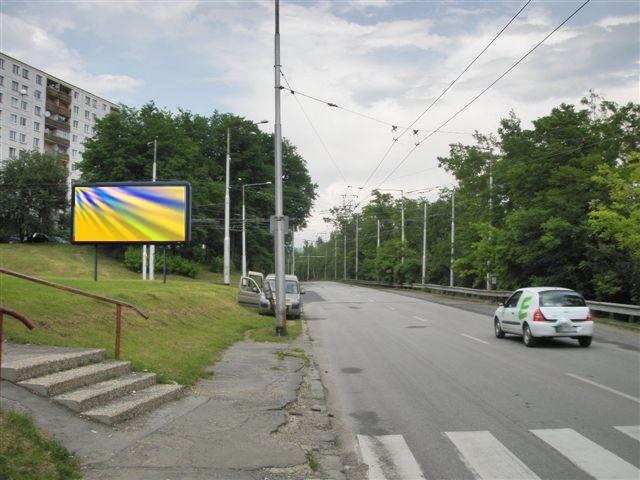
pixel 489 266
pixel 344 254
pixel 378 238
pixel 335 256
pixel 227 203
pixel 424 244
pixel 152 248
pixel 453 235
pixel 308 262
pixel 293 253
pixel 357 246
pixel 244 227
pixel 144 262
pixel 281 322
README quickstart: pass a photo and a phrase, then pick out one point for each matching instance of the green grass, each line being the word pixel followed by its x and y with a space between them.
pixel 268 333
pixel 313 463
pixel 191 321
pixel 26 453
pixel 295 353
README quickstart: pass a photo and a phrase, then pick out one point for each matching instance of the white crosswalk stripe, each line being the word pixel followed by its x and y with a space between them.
pixel 597 461
pixel 632 430
pixel 487 458
pixel 389 457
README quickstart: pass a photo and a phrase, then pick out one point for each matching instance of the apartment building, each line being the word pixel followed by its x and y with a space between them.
pixel 41 112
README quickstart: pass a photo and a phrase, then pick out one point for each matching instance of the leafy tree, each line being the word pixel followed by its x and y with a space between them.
pixel 33 194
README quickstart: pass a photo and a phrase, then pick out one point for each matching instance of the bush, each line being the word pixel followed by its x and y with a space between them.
pixel 175 263
pixel 216 264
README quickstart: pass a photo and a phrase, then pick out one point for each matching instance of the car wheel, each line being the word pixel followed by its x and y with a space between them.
pixel 584 341
pixel 497 328
pixel 529 340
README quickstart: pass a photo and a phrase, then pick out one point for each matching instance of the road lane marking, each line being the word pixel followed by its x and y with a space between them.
pixel 632 430
pixel 474 338
pixel 389 457
pixel 390 307
pixel 587 455
pixel 604 387
pixel 487 458
pixel 421 319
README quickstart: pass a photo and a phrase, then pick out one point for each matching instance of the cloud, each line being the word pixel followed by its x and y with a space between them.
pixel 23 39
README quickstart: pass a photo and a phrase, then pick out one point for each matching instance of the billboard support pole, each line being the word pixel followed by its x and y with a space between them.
pixel 164 264
pixel 95 263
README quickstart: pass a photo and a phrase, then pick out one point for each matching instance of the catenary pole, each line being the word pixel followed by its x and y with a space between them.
pixel 453 235
pixel 344 253
pixel 227 202
pixel 424 243
pixel 281 326
pixel 357 246
pixel 335 256
pixel 378 237
pixel 152 248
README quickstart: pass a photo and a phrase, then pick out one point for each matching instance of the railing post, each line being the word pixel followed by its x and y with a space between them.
pixel 118 324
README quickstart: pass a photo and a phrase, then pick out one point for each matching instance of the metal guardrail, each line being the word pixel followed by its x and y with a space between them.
pixel 118 303
pixel 611 309
pixel 18 316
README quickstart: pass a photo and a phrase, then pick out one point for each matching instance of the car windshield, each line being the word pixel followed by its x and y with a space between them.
pixel 291 286
pixel 561 299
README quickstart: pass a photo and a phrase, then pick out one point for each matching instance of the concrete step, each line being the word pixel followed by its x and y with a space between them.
pixel 60 382
pixel 21 368
pixel 134 404
pixel 100 393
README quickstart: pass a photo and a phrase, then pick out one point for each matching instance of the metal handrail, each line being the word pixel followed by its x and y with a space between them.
pixel 118 303
pixel 18 316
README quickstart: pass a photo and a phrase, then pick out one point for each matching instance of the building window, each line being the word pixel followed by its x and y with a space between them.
pixel 104 107
pixel 74 153
pixel 87 130
pixel 2 63
pixel 86 114
pixel 76 110
pixel 15 86
pixel 95 117
pixel 13 135
pixel 36 126
pixel 25 88
pixel 75 124
pixel 74 138
pixel 23 122
pixel 14 118
pixel 23 138
pixel 12 152
pixel 23 105
pixel 25 73
pixel 37 94
pixel 1 81
pixel 87 100
pixel 1 97
pixel 36 143
pixel 16 69
pixel 39 79
pixel 37 110
pixel 75 95
pixel 14 102
pixel 94 103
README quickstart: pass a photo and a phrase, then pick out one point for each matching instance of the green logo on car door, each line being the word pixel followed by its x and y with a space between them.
pixel 524 307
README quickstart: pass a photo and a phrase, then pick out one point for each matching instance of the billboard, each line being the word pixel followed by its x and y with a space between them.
pixel 131 212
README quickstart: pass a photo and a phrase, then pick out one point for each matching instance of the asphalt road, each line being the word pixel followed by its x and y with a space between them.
pixel 427 391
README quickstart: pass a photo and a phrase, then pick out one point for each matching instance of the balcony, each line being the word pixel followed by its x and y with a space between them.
pixel 57 108
pixel 54 123
pixel 49 137
pixel 53 92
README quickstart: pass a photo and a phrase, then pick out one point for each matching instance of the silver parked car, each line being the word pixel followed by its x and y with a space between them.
pixel 250 293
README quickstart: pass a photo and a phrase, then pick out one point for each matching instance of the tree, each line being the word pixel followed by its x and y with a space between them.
pixel 193 148
pixel 33 193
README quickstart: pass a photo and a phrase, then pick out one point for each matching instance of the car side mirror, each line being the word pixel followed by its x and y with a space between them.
pixel 302 291
pixel 501 304
pixel 255 290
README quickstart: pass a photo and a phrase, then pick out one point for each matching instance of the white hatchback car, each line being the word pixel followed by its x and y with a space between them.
pixel 545 312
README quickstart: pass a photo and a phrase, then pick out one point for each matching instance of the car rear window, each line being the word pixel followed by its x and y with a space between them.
pixel 557 298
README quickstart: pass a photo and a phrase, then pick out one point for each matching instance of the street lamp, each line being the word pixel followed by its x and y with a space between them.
pixel 244 234
pixel 401 190
pixel 227 202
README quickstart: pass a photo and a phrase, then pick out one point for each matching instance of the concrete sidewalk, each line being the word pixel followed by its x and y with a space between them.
pixel 260 417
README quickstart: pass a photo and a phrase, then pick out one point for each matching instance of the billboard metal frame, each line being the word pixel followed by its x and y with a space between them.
pixel 176 183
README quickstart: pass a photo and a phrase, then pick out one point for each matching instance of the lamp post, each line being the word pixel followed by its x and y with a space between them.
pixel 227 204
pixel 244 230
pixel 401 190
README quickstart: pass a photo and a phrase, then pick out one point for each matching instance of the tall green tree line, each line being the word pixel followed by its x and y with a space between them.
pixel 564 210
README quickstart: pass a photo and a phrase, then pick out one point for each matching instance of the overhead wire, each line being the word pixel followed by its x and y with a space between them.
pixel 500 77
pixel 386 154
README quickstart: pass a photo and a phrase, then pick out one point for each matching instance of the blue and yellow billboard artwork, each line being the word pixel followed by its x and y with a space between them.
pixel 149 212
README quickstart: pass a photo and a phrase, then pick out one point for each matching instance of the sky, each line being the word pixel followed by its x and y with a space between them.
pixel 386 59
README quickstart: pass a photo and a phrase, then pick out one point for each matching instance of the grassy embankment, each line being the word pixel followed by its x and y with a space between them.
pixel 26 453
pixel 191 321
